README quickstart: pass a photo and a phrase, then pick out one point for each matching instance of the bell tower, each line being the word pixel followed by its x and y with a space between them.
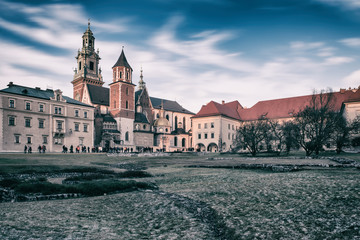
pixel 122 90
pixel 87 71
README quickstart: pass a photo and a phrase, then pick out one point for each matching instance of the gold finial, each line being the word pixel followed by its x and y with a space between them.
pixel 88 23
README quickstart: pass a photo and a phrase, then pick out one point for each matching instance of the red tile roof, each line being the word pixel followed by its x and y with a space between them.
pixel 272 109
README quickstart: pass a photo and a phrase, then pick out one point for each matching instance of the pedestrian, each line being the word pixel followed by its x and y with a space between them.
pixel 43 148
pixel 25 149
pixel 71 149
pixel 39 149
pixel 30 150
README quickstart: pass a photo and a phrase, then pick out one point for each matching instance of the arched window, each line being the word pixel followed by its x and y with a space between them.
pixel 126 104
pixel 127 91
pixel 175 141
pixel 127 136
pixel 90 43
pixel 176 122
pixel 184 126
pixel 167 117
pixel 79 66
pixel 183 141
pixel 120 74
pixel 157 115
pixel 127 75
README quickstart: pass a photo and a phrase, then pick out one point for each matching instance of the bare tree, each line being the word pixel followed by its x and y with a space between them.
pixel 315 122
pixel 343 130
pixel 290 132
pixel 250 135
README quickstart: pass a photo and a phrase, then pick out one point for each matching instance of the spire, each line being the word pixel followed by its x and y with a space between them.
pixel 88 23
pixel 122 62
pixel 141 82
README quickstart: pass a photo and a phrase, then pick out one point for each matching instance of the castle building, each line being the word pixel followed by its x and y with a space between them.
pixel 125 117
pixel 215 125
pixel 33 117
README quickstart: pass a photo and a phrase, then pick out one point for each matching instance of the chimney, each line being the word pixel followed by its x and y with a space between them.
pixel 10 84
pixel 222 102
pixel 342 90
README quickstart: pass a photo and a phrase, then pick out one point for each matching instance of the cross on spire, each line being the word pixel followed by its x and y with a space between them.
pixel 88 23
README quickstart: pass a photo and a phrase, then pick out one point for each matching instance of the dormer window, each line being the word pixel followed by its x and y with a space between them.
pixel 57 97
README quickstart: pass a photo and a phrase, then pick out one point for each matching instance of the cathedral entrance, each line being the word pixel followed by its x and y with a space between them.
pixel 212 147
pixel 107 145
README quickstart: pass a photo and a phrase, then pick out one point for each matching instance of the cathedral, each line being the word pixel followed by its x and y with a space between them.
pixel 126 117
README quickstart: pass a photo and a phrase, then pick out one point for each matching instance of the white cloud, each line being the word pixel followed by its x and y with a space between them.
pixel 337 60
pixel 347 4
pixel 351 42
pixel 304 46
pixel 353 79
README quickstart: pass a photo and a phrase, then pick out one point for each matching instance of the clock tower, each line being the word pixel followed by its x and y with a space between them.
pixel 87 71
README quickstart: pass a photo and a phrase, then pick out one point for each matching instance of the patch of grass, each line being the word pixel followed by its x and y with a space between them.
pixel 103 175
pixel 133 174
pixel 88 189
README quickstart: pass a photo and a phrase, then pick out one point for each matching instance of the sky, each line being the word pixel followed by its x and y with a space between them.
pixel 191 51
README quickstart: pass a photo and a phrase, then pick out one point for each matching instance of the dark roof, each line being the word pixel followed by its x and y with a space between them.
pixel 108 118
pixel 168 105
pixel 98 95
pixel 141 118
pixel 137 94
pixel 122 62
pixel 38 93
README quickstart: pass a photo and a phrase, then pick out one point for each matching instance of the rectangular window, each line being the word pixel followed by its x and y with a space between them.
pixel 27 122
pixel 212 135
pixel 45 139
pixel 205 125
pixel 85 114
pixel 58 141
pixel 27 106
pixel 28 140
pixel 41 123
pixel 228 126
pixel 91 65
pixel 85 127
pixel 229 136
pixel 17 138
pixel 11 121
pixel 41 107
pixel 57 110
pixel 232 127
pixel 205 135
pixel 76 113
pixel 59 125
pixel 76 127
pixel 199 126
pixel 81 141
pixel 11 103
pixel 199 136
pixel 212 125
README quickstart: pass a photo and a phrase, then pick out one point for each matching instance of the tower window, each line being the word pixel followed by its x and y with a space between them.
pixel 127 91
pixel 91 65
pixel 114 104
pixel 120 74
pixel 79 65
pixel 127 136
pixel 127 76
pixel 90 43
pixel 127 105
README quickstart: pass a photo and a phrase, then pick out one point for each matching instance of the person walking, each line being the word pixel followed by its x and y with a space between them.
pixel 25 149
pixel 39 149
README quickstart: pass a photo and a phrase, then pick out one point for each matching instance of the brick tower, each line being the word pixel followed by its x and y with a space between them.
pixel 87 71
pixel 122 98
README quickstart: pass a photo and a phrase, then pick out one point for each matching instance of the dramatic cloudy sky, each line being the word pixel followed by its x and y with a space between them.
pixel 192 51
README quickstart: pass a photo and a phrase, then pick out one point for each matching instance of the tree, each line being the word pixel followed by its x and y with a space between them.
pixel 290 133
pixel 250 135
pixel 315 122
pixel 343 130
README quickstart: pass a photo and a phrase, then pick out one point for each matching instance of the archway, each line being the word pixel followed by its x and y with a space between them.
pixel 200 147
pixel 212 147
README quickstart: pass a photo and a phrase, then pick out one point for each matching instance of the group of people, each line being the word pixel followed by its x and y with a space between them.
pixel 41 149
pixel 79 149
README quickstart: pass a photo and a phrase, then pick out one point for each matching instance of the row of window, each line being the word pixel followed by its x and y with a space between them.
pixel 120 75
pixel 29 139
pixel 212 135
pixel 12 122
pixel 41 108
pixel 212 125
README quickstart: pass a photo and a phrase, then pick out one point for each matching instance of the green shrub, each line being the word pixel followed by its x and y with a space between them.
pixel 134 174
pixel 9 182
